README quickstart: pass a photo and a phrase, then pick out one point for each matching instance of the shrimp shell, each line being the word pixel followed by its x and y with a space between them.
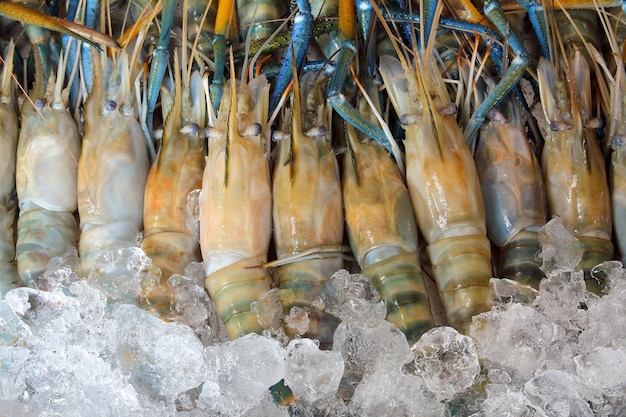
pixel 8 199
pixel 444 189
pixel 46 172
pixel 383 235
pixel 573 166
pixel 236 212
pixel 514 193
pixel 307 210
pixel 175 173
pixel 112 175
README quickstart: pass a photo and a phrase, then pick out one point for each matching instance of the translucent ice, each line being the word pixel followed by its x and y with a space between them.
pixel 603 368
pixel 164 359
pixel 561 394
pixel 240 373
pixel 386 393
pixel 120 272
pixel 362 347
pixel 351 297
pixel 561 294
pixel 515 338
pixel 447 361
pixel 560 250
pixel 311 373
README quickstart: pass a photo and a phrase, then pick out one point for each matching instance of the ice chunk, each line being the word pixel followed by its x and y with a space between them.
pixel 240 373
pixel 385 393
pixel 561 294
pixel 561 394
pixel 163 359
pixel 515 338
pixel 362 347
pixel 603 368
pixel 120 273
pixel 447 361
pixel 192 213
pixel 60 272
pixel 560 250
pixel 351 297
pixel 12 360
pixel 503 401
pixel 11 327
pixel 298 320
pixel 509 291
pixel 269 310
pixel 312 374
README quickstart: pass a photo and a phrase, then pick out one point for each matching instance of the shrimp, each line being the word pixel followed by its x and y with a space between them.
pixel 514 193
pixel 573 166
pixel 8 154
pixel 46 176
pixel 174 174
pixel 443 185
pixel 307 208
pixel 383 234
pixel 113 168
pixel 236 206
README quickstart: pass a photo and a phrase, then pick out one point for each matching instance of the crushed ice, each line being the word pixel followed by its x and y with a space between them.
pixel 76 347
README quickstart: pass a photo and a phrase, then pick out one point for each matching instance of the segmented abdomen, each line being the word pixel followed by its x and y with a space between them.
pixel 46 174
pixel 448 205
pixel 111 182
pixel 8 199
pixel 514 194
pixel 307 216
pixel 383 235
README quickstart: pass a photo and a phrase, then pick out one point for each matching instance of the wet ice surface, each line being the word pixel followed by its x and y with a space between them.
pixel 76 347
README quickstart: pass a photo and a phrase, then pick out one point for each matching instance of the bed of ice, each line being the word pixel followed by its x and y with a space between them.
pixel 79 347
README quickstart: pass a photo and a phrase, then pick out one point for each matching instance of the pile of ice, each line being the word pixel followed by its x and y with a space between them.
pixel 77 347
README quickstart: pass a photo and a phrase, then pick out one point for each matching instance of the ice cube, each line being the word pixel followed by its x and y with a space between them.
pixel 560 250
pixel 515 338
pixel 351 297
pixel 385 393
pixel 240 373
pixel 447 361
pixel 603 368
pixel 311 373
pixel 561 294
pixel 163 359
pixel 561 394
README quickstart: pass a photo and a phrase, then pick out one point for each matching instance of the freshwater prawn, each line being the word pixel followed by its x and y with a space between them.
pixel 175 173
pixel 383 233
pixel 307 208
pixel 113 167
pixel 46 177
pixel 236 205
pixel 8 153
pixel 443 185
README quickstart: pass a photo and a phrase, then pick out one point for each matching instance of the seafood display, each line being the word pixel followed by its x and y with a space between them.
pixel 209 132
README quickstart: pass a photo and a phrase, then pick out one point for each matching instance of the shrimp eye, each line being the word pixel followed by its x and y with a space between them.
pixel 109 106
pixel 40 103
pixel 189 129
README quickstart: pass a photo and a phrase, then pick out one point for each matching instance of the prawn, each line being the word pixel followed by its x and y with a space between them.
pixel 113 167
pixel 443 185
pixel 308 213
pixel 8 153
pixel 383 234
pixel 48 151
pixel 572 162
pixel 175 173
pixel 513 189
pixel 236 206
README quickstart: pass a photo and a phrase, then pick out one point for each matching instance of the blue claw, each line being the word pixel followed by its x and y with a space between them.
pixel 159 58
pixel 301 35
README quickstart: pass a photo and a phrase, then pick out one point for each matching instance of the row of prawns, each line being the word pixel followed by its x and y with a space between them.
pixel 460 205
